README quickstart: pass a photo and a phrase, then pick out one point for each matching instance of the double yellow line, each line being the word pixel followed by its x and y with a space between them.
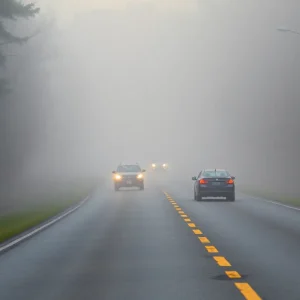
pixel 246 290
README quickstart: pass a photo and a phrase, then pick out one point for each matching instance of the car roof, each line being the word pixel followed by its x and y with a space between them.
pixel 128 164
pixel 218 170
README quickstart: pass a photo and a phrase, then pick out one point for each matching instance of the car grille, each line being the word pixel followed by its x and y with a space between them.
pixel 129 177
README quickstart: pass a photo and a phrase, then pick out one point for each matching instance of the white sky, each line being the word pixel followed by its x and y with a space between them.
pixel 66 9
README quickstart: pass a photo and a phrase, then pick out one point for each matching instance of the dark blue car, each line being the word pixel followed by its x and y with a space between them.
pixel 214 183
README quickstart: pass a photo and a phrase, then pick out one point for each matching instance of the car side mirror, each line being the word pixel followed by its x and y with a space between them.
pixel 143 170
pixel 194 178
pixel 114 172
pixel 233 177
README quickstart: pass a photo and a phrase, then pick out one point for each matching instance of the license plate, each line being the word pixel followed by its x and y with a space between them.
pixel 216 183
pixel 129 182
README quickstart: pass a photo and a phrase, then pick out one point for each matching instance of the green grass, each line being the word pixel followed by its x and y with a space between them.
pixel 285 199
pixel 17 222
pixel 14 224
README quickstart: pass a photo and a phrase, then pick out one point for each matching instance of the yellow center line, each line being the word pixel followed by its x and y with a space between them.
pixel 211 249
pixel 204 240
pixel 222 261
pixel 233 274
pixel 247 291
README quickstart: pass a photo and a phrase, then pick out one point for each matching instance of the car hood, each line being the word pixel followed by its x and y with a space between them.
pixel 129 173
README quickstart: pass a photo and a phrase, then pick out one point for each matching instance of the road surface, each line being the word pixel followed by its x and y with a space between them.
pixel 138 245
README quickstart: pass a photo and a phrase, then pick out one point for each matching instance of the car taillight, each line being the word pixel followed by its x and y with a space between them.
pixel 230 181
pixel 203 181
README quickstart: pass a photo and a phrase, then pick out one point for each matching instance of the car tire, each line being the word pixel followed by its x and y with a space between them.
pixel 142 187
pixel 116 188
pixel 198 197
pixel 231 198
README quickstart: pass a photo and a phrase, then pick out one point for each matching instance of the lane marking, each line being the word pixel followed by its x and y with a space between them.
pixel 211 249
pixel 204 239
pixel 233 274
pixel 247 291
pixel 222 261
pixel 40 228
pixel 273 202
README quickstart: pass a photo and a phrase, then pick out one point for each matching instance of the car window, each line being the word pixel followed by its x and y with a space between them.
pixel 215 173
pixel 129 168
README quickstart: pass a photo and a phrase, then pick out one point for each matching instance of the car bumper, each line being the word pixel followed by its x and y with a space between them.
pixel 209 192
pixel 129 183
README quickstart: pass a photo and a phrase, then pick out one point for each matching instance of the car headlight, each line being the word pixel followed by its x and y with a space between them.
pixel 118 177
pixel 153 165
pixel 140 176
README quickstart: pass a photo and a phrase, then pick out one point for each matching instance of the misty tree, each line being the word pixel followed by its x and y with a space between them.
pixel 11 13
pixel 11 10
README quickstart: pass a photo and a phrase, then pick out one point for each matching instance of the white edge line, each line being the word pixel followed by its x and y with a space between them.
pixel 274 202
pixel 35 231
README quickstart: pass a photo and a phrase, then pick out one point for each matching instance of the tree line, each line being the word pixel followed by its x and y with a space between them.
pixel 12 10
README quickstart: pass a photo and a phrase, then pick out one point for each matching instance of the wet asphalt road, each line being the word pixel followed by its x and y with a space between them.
pixel 137 245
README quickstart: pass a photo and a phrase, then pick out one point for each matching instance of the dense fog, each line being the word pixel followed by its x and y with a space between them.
pixel 215 85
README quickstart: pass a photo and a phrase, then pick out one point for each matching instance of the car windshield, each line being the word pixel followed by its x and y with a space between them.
pixel 215 173
pixel 129 168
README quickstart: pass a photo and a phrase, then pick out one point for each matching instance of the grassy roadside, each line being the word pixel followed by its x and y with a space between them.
pixel 17 222
pixel 269 195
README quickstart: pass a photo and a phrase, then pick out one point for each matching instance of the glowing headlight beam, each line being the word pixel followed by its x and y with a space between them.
pixel 140 176
pixel 118 177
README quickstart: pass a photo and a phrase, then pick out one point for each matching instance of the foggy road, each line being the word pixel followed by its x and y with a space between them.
pixel 137 245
